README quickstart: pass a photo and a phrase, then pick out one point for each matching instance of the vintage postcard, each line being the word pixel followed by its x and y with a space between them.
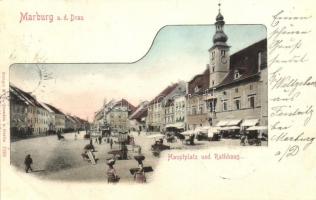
pixel 157 99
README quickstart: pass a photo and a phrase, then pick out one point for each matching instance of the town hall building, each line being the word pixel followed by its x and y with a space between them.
pixel 233 90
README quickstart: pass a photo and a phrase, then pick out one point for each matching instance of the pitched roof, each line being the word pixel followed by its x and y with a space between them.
pixel 164 93
pixel 140 111
pixel 47 108
pixel 70 118
pixel 54 109
pixel 139 115
pixel 245 62
pixel 202 81
pixel 27 98
pixel 124 102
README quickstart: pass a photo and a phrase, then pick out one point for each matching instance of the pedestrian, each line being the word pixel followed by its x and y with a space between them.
pixel 89 147
pixel 139 150
pixel 124 151
pixel 111 173
pixel 100 139
pixel 111 143
pixel 139 175
pixel 75 136
pixel 138 132
pixel 28 162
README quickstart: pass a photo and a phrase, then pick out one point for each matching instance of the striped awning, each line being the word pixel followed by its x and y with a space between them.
pixel 230 128
pixel 233 122
pixel 257 128
pixel 179 125
pixel 249 122
pixel 222 123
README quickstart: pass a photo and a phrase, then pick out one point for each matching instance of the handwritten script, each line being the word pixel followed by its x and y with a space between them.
pixel 287 41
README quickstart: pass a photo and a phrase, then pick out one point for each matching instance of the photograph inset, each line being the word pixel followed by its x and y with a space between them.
pixel 111 122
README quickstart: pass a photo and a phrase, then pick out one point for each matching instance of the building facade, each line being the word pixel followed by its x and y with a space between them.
pixel 156 120
pixel 233 87
pixel 114 115
pixel 169 113
pixel 60 119
pixel 137 119
pixel 197 113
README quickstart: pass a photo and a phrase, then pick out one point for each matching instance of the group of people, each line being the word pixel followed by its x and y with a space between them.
pixel 251 137
pixel 113 177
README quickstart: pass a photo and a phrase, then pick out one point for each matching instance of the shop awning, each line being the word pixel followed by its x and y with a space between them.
pixel 229 128
pixel 179 125
pixel 222 123
pixel 203 128
pixel 257 128
pixel 233 122
pixel 249 122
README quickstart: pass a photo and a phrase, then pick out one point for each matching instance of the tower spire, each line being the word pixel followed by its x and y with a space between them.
pixel 219 37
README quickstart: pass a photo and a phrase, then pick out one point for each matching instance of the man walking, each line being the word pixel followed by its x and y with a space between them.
pixel 111 143
pixel 28 162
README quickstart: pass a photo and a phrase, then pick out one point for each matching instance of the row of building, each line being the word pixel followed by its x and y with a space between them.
pixel 231 92
pixel 28 116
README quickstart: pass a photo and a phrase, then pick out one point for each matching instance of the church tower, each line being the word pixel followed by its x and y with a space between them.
pixel 219 53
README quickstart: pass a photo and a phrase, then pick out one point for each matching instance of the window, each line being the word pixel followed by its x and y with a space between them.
pixel 213 69
pixel 237 104
pixel 251 100
pixel 250 87
pixel 236 75
pixel 224 93
pixel 201 108
pixel 225 105
pixel 223 52
pixel 213 83
pixel 196 89
pixel 213 55
pixel 211 106
pixel 193 110
pixel 236 90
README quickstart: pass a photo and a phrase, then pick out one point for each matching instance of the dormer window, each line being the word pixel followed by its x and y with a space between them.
pixel 196 89
pixel 236 74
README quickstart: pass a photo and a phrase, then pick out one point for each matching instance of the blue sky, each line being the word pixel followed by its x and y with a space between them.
pixel 177 53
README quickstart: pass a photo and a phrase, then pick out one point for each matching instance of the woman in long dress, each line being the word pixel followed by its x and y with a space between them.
pixel 111 172
pixel 139 176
